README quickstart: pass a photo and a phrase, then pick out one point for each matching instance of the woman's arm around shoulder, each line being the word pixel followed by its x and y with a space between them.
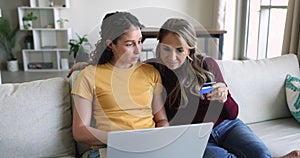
pixel 77 66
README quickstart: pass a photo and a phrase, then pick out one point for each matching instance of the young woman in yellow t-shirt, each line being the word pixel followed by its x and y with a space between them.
pixel 119 92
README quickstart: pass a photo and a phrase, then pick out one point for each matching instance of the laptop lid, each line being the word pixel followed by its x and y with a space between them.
pixel 174 141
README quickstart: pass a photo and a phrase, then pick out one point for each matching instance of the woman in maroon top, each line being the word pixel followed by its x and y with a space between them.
pixel 184 70
pixel 181 112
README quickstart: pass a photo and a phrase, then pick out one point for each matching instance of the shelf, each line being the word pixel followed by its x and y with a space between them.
pixel 46 3
pixel 46 18
pixel 50 42
pixel 41 8
pixel 50 29
pixel 66 50
pixel 45 60
pixel 55 39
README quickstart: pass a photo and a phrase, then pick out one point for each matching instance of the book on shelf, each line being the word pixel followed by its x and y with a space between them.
pixel 48 47
pixel 40 65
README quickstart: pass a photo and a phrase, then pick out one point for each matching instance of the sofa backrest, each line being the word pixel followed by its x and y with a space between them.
pixel 258 86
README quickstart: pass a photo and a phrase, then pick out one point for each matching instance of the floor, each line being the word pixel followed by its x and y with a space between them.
pixel 21 76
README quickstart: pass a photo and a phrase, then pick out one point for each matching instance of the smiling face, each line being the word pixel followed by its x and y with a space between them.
pixel 173 52
pixel 128 48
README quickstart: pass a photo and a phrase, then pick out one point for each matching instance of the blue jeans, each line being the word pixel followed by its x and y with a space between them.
pixel 231 139
pixel 94 153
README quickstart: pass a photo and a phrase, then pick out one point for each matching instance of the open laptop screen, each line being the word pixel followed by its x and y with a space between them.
pixel 174 141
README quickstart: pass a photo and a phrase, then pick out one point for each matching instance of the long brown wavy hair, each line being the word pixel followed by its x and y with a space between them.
pixel 194 72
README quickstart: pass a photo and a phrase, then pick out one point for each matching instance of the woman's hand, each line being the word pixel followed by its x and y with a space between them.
pixel 220 92
pixel 77 66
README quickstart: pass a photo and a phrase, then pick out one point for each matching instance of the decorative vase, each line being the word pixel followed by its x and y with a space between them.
pixel 51 3
pixel 27 24
pixel 62 25
pixel 12 65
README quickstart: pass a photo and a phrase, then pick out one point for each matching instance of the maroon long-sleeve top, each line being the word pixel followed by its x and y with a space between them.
pixel 197 110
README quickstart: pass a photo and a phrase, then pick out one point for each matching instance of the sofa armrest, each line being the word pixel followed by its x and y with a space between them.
pixel 36 119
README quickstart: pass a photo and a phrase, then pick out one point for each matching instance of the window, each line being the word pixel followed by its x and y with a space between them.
pixel 265 28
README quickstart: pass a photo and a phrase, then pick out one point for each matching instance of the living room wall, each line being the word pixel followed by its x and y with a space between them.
pixel 85 16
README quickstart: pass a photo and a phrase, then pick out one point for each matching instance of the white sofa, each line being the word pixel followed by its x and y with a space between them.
pixel 36 116
pixel 258 88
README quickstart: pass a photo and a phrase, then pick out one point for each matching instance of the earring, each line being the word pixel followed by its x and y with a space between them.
pixel 189 58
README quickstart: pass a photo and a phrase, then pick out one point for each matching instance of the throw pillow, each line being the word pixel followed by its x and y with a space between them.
pixel 292 87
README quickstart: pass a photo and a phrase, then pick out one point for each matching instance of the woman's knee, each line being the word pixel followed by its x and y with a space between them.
pixel 215 151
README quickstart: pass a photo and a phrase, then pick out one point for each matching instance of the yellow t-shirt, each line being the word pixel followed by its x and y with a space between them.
pixel 121 97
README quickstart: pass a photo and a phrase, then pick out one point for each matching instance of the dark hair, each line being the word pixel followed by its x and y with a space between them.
pixel 113 26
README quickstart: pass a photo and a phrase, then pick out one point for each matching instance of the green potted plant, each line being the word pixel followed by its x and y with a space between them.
pixel 80 48
pixel 8 42
pixel 27 20
pixel 61 22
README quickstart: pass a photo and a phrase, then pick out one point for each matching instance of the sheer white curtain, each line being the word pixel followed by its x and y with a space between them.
pixel 220 14
pixel 225 19
pixel 218 24
pixel 291 40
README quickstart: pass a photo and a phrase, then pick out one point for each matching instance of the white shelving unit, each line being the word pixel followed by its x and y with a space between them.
pixel 50 42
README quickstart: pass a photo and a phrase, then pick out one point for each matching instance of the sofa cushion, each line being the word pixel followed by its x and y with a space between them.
pixel 36 119
pixel 292 88
pixel 258 86
pixel 281 136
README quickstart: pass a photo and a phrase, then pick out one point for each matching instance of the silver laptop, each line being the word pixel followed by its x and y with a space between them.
pixel 175 141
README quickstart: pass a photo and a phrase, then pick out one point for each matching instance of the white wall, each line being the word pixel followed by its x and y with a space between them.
pixel 85 16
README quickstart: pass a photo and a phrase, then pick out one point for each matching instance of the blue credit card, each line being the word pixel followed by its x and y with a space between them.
pixel 206 88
